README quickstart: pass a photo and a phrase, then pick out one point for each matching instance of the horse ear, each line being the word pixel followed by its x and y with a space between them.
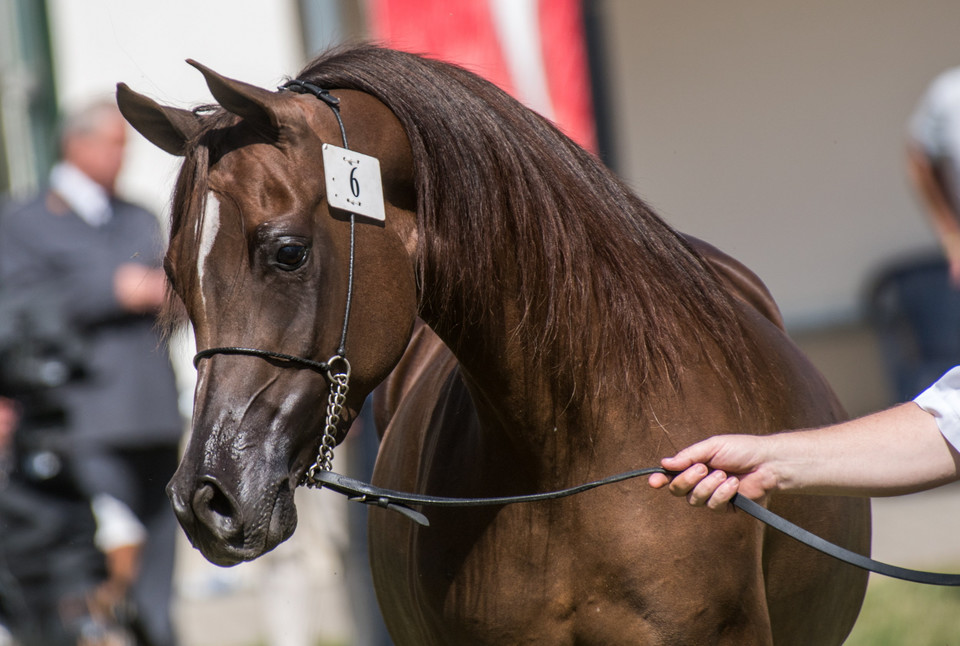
pixel 167 128
pixel 254 104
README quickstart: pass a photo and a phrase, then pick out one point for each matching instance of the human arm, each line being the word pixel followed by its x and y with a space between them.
pixel 897 451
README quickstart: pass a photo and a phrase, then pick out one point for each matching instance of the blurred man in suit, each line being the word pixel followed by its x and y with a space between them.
pixel 96 260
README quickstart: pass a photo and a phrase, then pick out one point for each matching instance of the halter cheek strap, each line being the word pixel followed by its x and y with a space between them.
pixel 336 369
pixel 305 87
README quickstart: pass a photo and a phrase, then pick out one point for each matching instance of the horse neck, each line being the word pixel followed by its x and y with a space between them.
pixel 517 409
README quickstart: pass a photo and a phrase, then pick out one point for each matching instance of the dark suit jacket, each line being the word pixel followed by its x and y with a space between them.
pixel 129 397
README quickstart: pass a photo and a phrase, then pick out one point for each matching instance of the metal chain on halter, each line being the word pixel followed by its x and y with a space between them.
pixel 336 398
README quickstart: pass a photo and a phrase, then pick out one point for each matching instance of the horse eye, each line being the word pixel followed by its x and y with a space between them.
pixel 291 256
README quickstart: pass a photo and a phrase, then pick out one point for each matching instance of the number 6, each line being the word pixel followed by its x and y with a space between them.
pixel 354 183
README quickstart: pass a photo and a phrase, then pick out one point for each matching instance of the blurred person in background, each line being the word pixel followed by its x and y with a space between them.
pixel 933 162
pixel 95 260
pixel 914 300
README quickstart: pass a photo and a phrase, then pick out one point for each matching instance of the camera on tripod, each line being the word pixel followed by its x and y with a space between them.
pixel 39 352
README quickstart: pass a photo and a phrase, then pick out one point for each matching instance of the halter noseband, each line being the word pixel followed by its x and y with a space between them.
pixel 336 369
pixel 324 368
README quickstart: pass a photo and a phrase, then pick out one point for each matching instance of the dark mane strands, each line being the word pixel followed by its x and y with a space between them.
pixel 497 181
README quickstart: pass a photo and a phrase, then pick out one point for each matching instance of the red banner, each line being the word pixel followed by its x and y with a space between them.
pixel 535 50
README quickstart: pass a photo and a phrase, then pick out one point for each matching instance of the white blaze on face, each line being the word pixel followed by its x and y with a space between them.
pixel 206 237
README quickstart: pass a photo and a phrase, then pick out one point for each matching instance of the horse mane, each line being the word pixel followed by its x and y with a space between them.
pixel 505 198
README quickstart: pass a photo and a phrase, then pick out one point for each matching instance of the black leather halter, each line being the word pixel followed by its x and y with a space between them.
pixel 324 368
pixel 320 366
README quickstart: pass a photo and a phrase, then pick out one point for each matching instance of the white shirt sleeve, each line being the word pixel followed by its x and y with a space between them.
pixel 925 127
pixel 942 400
pixel 117 526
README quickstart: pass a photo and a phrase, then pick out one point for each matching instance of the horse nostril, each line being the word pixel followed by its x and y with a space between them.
pixel 218 502
pixel 217 510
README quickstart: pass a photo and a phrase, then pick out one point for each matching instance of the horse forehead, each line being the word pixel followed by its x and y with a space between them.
pixel 259 163
pixel 261 179
pixel 370 126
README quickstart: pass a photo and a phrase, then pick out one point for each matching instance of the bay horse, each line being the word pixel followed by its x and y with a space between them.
pixel 534 325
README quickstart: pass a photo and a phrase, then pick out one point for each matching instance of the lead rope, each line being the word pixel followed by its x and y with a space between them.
pixel 400 502
pixel 339 380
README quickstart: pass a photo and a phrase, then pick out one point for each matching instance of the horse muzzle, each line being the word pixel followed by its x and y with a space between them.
pixel 226 528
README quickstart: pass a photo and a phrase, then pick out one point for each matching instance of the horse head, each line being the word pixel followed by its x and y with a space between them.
pixel 260 259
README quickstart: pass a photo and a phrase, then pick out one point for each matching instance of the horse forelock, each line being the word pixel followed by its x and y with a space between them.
pixel 189 213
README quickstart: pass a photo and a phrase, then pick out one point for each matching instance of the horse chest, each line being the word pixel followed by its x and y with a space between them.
pixel 470 578
pixel 518 575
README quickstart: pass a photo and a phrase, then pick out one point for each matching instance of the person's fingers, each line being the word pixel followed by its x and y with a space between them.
pixel 723 494
pixel 684 482
pixel 700 453
pixel 658 480
pixel 678 462
pixel 686 458
pixel 704 489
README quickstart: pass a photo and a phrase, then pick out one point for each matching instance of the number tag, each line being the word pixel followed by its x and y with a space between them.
pixel 353 182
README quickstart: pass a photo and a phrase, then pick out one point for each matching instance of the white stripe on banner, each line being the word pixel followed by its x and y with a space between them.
pixel 517 25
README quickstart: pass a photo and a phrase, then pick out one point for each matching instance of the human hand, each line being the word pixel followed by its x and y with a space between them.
pixel 955 272
pixel 704 467
pixel 950 242
pixel 9 417
pixel 138 288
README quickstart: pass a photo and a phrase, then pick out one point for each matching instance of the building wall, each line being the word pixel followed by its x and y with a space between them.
pixel 98 43
pixel 773 131
pixel 776 131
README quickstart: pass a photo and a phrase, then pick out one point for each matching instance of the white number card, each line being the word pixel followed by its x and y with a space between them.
pixel 353 182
